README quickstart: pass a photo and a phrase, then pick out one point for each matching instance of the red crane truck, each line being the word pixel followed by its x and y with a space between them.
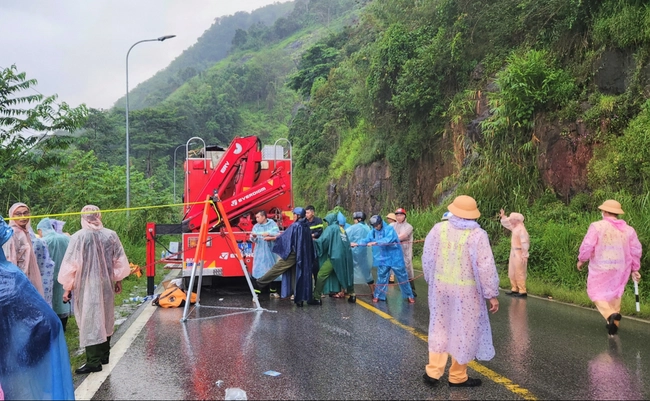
pixel 246 177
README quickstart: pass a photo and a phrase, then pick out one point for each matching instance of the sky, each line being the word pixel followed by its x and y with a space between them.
pixel 77 48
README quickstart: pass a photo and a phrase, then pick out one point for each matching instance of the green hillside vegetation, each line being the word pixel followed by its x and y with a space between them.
pixel 416 77
pixel 211 47
pixel 355 82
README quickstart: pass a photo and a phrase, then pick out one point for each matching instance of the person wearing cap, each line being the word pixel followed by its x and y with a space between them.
pixel 613 251
pixel 519 246
pixel 386 255
pixel 361 256
pixel 335 246
pixel 405 234
pixel 459 269
pixel 296 250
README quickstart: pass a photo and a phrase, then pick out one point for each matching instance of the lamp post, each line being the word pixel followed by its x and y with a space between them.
pixel 128 168
pixel 179 146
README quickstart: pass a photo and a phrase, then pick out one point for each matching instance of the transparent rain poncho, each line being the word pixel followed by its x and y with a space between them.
pixel 263 256
pixel 57 244
pixel 459 268
pixel 361 255
pixel 94 260
pixel 34 360
pixel 19 250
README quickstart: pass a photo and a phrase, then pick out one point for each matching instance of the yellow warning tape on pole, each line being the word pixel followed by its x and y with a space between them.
pixel 102 211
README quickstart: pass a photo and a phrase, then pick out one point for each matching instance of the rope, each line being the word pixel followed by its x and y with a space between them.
pixel 103 211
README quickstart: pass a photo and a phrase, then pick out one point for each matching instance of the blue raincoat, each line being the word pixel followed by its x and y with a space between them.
pixel 297 239
pixel 389 251
pixel 263 256
pixel 361 255
pixel 386 255
pixel 57 244
pixel 34 360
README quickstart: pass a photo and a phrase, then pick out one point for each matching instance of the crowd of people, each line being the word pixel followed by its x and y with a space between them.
pixel 457 263
pixel 48 274
pixel 44 277
pixel 298 257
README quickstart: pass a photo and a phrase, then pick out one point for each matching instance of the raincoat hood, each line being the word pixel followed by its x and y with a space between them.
pixel 46 227
pixel 91 221
pixel 341 219
pixel 463 224
pixel 12 210
pixel 330 219
pixel 619 224
pixel 58 225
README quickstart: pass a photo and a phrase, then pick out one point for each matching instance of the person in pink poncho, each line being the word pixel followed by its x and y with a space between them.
pixel 94 266
pixel 519 246
pixel 19 249
pixel 614 253
pixel 459 268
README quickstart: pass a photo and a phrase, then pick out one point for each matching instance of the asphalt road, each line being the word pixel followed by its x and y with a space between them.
pixel 545 350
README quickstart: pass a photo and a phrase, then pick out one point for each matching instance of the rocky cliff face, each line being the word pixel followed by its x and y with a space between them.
pixel 563 150
pixel 370 187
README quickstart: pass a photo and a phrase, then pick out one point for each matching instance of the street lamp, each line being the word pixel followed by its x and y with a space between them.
pixel 128 167
pixel 179 146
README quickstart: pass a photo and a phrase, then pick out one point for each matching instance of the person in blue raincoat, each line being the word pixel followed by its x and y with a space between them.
pixel 34 360
pixel 296 250
pixel 334 245
pixel 386 255
pixel 57 244
pixel 361 255
pixel 263 236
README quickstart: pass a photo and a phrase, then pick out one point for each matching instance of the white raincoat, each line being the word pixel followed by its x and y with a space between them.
pixel 94 260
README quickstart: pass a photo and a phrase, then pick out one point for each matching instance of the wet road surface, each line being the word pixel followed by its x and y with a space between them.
pixel 544 350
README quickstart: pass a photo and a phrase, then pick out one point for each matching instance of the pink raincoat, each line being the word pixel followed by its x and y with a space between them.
pixel 405 233
pixel 94 260
pixel 19 250
pixel 613 251
pixel 459 267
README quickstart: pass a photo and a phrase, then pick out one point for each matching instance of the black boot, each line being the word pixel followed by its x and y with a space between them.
pixel 88 369
pixel 314 302
pixel 352 299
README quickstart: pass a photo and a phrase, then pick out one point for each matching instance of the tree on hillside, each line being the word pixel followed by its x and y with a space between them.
pixel 155 133
pixel 26 122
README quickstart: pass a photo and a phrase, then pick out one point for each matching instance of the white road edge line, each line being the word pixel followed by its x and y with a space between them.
pixel 93 382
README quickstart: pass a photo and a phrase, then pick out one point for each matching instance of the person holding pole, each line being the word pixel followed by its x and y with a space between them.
pixel 613 251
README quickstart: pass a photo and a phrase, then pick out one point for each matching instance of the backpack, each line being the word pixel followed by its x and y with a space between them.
pixel 173 297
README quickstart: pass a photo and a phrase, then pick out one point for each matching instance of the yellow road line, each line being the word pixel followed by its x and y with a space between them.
pixel 489 373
